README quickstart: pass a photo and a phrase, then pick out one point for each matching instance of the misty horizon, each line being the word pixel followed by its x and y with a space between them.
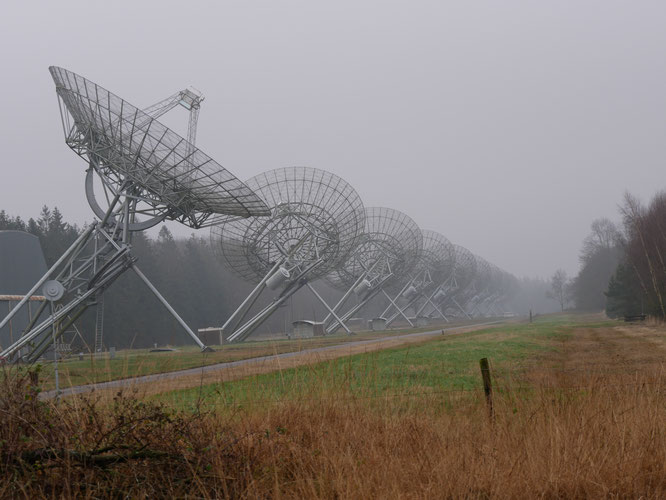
pixel 508 129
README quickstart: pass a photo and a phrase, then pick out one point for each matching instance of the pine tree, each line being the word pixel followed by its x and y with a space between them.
pixel 624 296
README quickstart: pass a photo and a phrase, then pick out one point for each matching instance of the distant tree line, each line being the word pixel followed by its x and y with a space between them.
pixel 623 266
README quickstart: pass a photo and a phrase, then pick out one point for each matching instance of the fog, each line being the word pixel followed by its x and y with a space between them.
pixel 506 126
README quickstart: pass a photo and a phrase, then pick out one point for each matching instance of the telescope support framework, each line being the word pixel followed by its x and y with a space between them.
pixel 421 293
pixel 335 324
pixel 232 331
pixel 90 265
pixel 241 333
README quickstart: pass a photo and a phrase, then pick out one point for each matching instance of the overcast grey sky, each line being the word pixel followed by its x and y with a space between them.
pixel 507 126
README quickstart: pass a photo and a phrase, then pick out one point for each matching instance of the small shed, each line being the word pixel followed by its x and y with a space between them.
pixel 378 324
pixel 211 336
pixel 305 329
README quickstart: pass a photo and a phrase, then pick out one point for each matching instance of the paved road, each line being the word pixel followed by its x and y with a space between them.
pixel 146 379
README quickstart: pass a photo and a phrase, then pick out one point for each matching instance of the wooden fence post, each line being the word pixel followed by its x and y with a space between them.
pixel 487 384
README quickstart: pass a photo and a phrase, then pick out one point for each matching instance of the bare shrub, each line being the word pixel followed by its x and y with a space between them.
pixel 563 436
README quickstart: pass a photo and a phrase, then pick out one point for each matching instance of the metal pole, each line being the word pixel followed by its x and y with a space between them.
pixel 9 309
pixel 460 307
pixel 396 306
pixel 353 310
pixel 331 311
pixel 346 295
pixel 55 352
pixel 252 324
pixel 438 310
pixel 168 307
pixel 240 313
pixel 351 290
pixel 394 316
pixel 402 290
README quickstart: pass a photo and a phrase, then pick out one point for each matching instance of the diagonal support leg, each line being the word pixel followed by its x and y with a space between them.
pixel 398 308
pixel 331 311
pixel 461 308
pixel 437 309
pixel 173 312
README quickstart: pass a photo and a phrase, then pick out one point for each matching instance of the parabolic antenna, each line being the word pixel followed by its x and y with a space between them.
pixel 316 220
pixel 438 256
pixel 491 293
pixel 480 287
pixel 389 248
pixel 483 272
pixel 149 174
pixel 391 245
pixel 454 291
pixel 434 268
pixel 122 144
pixel 465 267
pixel 314 215
pixel 492 287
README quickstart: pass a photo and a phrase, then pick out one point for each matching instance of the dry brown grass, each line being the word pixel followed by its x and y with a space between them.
pixel 590 426
pixel 554 445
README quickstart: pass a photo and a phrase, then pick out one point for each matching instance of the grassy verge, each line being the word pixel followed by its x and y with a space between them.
pixel 444 365
pixel 138 362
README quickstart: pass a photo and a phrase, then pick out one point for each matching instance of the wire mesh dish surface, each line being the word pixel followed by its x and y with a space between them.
pixel 484 273
pixel 113 135
pixel 464 269
pixel 315 215
pixel 391 244
pixel 437 257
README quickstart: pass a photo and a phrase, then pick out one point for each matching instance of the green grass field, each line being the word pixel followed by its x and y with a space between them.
pixel 138 362
pixel 448 363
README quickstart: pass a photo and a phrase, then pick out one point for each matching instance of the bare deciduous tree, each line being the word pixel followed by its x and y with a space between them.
pixel 559 288
pixel 644 249
pixel 604 234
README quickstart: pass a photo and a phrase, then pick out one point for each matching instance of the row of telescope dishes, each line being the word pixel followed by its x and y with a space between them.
pixel 282 230
pixel 319 229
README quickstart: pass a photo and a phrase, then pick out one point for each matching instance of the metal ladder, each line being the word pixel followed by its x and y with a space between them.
pixel 99 324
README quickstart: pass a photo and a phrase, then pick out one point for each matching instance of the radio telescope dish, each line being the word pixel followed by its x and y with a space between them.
pixel 392 243
pixel 455 288
pixel 490 292
pixel 434 268
pixel 438 256
pixel 390 247
pixel 490 289
pixel 148 174
pixel 465 267
pixel 170 178
pixel 316 220
pixel 305 204
pixel 478 290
